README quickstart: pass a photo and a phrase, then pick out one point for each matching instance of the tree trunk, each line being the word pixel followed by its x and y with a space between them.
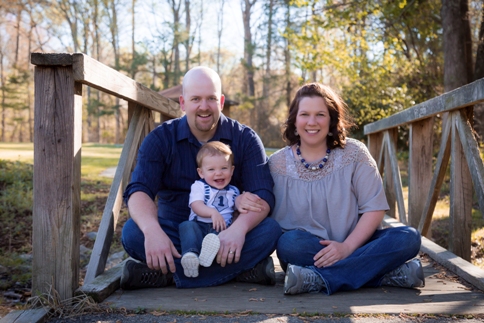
pixel 478 74
pixel 248 57
pixel 220 28
pixel 457 44
pixel 188 45
pixel 265 102
pixel 287 57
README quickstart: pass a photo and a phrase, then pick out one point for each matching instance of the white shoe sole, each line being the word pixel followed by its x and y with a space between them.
pixel 190 264
pixel 210 247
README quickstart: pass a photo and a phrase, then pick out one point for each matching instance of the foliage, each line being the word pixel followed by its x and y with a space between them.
pixel 15 206
pixel 384 56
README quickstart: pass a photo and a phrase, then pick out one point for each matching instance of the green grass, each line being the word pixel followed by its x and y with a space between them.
pixel 95 158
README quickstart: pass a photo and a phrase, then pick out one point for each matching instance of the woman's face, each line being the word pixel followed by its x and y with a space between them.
pixel 312 121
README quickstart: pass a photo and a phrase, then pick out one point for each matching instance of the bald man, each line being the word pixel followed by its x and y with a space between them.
pixel 166 168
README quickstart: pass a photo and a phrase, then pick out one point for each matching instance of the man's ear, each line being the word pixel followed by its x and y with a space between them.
pixel 182 103
pixel 222 102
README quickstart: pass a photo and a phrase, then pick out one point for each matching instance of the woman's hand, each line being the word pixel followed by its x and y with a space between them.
pixel 247 201
pixel 331 253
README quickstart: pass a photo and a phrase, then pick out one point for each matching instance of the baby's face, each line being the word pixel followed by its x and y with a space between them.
pixel 216 171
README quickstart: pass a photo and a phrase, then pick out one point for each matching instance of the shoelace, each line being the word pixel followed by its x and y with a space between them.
pixel 150 278
pixel 312 282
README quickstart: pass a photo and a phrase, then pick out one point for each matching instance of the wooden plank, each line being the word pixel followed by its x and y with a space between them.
pixel 464 96
pixel 97 75
pixel 396 179
pixel 437 180
pixel 57 160
pixel 454 263
pixel 419 168
pixel 473 157
pixel 375 146
pixel 36 315
pixel 460 197
pixel 103 285
pixel 110 215
pixel 51 59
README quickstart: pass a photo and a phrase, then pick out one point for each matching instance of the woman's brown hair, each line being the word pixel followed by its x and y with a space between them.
pixel 340 122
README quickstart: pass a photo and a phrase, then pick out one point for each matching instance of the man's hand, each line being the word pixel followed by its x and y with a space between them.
pixel 332 253
pixel 160 251
pixel 231 243
pixel 247 201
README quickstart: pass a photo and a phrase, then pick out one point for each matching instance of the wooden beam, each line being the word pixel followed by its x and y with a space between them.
pixel 460 196
pixel 396 179
pixel 473 157
pixel 97 75
pixel 36 315
pixel 103 285
pixel 464 96
pixel 419 168
pixel 437 180
pixel 110 215
pixel 57 165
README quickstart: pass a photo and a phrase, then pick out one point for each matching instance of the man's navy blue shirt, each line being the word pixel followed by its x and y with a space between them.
pixel 166 166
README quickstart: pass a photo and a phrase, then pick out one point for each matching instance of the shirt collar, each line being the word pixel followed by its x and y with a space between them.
pixel 222 132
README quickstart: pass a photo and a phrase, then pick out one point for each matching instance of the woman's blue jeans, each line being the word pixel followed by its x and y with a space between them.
pixel 385 250
pixel 260 242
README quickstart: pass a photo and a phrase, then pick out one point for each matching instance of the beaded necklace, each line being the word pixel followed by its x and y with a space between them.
pixel 321 163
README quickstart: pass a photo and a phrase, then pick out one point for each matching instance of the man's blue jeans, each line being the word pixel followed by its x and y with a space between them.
pixel 260 242
pixel 385 250
pixel 192 234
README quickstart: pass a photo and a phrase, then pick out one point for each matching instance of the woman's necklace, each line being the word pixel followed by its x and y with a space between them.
pixel 321 163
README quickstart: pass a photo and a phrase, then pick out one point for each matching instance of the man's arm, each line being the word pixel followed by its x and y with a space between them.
pixel 158 247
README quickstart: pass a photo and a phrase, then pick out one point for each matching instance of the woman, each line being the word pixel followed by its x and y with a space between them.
pixel 330 204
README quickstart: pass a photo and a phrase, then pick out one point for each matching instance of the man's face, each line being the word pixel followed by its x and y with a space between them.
pixel 202 102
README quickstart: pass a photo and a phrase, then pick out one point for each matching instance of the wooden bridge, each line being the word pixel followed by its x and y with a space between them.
pixel 56 225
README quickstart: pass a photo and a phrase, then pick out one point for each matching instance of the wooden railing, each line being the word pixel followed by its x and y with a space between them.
pixel 57 163
pixel 458 145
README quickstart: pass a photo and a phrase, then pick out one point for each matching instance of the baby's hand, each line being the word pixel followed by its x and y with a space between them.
pixel 218 222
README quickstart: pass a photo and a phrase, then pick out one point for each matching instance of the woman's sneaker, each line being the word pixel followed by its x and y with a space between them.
pixel 302 280
pixel 137 275
pixel 408 275
pixel 190 264
pixel 210 247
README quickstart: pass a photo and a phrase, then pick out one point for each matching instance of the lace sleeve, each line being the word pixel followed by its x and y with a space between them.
pixel 277 162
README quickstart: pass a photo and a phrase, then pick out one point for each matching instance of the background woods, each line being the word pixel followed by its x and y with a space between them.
pixel 382 56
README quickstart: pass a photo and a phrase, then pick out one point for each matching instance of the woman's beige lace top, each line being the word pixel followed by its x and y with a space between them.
pixel 326 202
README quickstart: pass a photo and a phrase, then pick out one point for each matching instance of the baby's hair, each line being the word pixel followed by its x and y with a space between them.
pixel 214 148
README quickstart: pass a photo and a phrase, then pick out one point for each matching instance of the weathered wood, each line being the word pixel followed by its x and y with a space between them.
pixel 385 168
pixel 51 59
pixel 375 145
pixel 419 168
pixel 103 285
pixel 473 157
pixel 396 179
pixel 457 265
pixel 37 315
pixel 437 180
pixel 110 215
pixel 56 219
pixel 97 75
pixel 464 96
pixel 460 197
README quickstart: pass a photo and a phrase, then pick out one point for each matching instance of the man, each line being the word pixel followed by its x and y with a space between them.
pixel 166 168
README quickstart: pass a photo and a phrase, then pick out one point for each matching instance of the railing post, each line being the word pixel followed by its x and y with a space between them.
pixel 419 168
pixel 57 166
pixel 460 196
